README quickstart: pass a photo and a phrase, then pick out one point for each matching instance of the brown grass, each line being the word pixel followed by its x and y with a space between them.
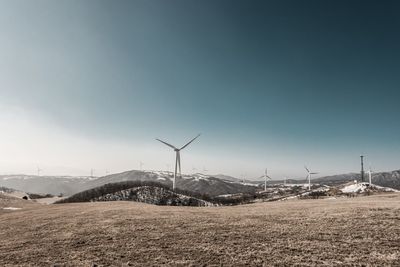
pixel 362 231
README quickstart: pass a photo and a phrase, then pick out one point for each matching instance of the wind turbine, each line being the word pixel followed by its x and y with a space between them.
pixel 205 170
pixel 177 158
pixel 370 172
pixel 309 176
pixel 265 176
pixel 243 176
pixel 38 170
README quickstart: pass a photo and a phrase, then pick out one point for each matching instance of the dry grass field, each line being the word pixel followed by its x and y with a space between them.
pixel 362 231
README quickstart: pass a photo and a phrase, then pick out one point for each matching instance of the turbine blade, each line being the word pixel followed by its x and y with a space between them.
pixel 314 173
pixel 179 163
pixel 165 143
pixel 266 171
pixel 176 164
pixel 305 167
pixel 189 142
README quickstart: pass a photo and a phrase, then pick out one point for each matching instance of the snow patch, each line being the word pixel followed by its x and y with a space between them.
pixel 361 187
pixel 354 188
pixel 11 208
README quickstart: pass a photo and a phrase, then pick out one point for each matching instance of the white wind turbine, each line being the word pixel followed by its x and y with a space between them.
pixel 178 158
pixel 266 177
pixel 243 176
pixel 38 170
pixel 309 173
pixel 370 172
pixel 205 170
pixel 141 165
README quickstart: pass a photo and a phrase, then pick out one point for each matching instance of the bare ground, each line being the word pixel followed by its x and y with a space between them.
pixel 362 231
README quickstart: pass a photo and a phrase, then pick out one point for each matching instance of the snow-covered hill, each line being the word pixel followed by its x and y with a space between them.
pixel 384 179
pixel 198 183
pixel 154 195
pixel 364 187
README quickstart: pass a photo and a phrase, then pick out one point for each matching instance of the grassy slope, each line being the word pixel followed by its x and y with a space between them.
pixel 357 231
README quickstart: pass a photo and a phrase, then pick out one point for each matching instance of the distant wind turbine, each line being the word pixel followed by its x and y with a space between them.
pixel 309 173
pixel 266 177
pixel 141 165
pixel 168 168
pixel 370 172
pixel 177 158
pixel 38 170
pixel 242 176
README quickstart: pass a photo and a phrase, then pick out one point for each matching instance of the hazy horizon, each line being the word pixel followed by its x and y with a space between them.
pixel 272 84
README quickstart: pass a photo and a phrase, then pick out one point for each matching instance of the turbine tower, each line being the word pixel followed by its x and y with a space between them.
pixel 266 177
pixel 370 172
pixel 309 173
pixel 38 170
pixel 243 176
pixel 362 168
pixel 177 158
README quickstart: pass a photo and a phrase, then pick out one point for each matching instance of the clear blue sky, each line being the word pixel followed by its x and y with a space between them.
pixel 277 84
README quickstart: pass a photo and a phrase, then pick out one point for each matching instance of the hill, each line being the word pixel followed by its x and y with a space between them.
pixel 198 183
pixel 146 192
pixel 384 179
pixel 10 192
pixel 54 185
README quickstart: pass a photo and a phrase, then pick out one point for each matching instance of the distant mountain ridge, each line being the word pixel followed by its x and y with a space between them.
pixel 212 185
pixel 199 183
pixel 385 179
pixel 55 185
